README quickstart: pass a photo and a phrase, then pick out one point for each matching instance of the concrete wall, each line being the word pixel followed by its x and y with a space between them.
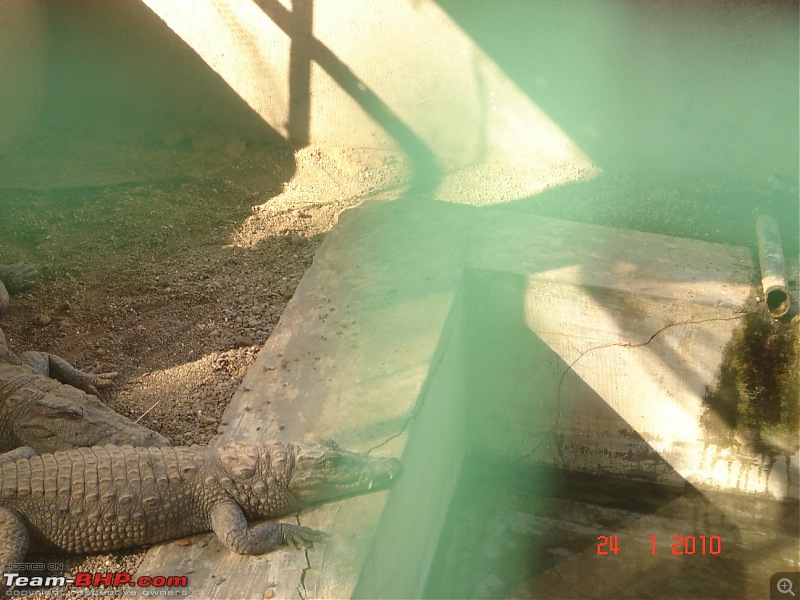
pixel 23 48
pixel 115 70
pixel 625 84
pixel 699 86
pixel 611 391
pixel 100 70
pixel 709 87
pixel 399 561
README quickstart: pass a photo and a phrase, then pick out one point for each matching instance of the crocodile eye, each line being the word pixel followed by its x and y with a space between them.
pixel 73 414
pixel 332 461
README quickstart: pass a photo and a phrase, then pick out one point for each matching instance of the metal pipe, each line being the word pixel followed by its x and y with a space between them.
pixel 773 274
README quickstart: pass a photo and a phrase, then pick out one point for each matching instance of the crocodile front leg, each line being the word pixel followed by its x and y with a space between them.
pixel 59 369
pixel 13 542
pixel 230 525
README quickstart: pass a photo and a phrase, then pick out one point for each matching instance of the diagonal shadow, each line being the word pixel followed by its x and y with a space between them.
pixel 305 49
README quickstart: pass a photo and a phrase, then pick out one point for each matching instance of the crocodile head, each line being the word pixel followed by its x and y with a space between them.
pixel 71 418
pixel 278 478
pixel 323 471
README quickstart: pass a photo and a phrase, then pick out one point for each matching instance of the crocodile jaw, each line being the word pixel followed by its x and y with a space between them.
pixel 69 418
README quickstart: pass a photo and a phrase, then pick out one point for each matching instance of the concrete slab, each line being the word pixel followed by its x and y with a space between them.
pixel 637 320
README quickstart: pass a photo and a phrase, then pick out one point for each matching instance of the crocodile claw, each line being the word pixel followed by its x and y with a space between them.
pixel 102 381
pixel 302 537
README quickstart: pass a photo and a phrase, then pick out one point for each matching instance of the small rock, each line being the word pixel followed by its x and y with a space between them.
pixel 204 420
pixel 65 306
pixel 42 320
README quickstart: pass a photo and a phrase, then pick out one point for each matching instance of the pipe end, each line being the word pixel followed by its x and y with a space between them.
pixel 778 301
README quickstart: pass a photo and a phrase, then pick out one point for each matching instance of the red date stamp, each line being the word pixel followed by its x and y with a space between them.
pixel 607 544
pixel 681 545
pixel 692 544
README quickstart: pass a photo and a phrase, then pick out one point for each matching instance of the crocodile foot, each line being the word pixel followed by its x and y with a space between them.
pixel 56 367
pixel 103 380
pixel 301 537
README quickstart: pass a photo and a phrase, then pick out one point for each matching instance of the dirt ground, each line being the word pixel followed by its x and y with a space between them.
pixel 170 266
pixel 174 279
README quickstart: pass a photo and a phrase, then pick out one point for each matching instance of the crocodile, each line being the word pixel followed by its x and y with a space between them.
pixel 15 278
pixel 49 405
pixel 109 497
pixel 41 406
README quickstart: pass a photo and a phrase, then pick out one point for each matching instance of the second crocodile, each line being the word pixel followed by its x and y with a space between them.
pixel 42 407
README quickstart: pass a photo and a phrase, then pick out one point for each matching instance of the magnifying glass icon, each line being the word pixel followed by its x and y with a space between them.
pixel 784 586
